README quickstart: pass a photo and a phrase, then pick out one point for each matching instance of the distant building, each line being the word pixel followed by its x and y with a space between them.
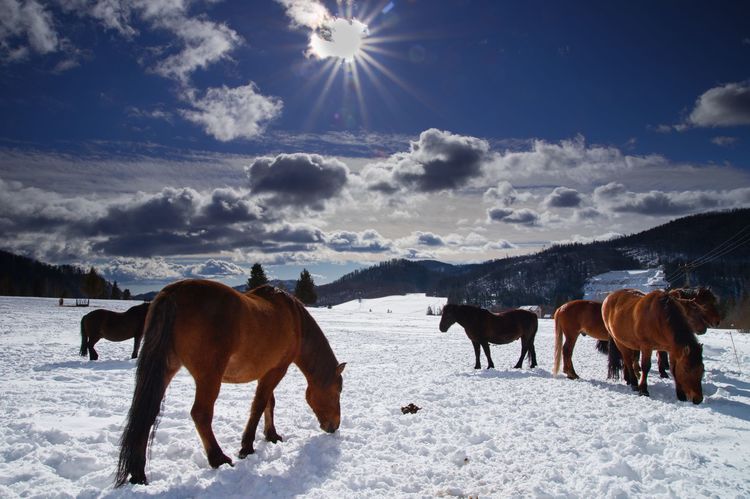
pixel 537 309
pixel 599 286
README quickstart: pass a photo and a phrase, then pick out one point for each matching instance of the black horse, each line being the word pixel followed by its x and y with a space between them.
pixel 483 327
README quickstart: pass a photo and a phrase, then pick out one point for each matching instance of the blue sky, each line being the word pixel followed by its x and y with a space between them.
pixel 177 138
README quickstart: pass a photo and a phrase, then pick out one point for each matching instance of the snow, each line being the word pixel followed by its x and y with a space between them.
pixel 411 304
pixel 498 433
pixel 599 286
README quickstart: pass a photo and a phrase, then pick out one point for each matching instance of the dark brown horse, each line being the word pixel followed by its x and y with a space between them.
pixel 220 335
pixel 112 326
pixel 483 327
pixel 571 320
pixel 655 321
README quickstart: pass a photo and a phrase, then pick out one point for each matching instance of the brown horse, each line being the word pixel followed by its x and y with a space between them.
pixel 571 320
pixel 655 321
pixel 701 310
pixel 483 327
pixel 221 335
pixel 112 326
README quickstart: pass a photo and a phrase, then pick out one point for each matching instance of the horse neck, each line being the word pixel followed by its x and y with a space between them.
pixel 316 359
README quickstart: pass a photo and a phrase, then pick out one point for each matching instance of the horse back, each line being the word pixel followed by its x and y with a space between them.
pixel 582 316
pixel 637 320
pixel 245 335
pixel 508 326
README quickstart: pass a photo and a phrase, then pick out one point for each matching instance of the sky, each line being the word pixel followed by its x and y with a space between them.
pixel 163 139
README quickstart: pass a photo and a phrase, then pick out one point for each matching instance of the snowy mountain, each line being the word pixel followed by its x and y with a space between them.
pixel 599 286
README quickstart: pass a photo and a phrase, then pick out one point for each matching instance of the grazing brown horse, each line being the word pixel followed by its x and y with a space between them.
pixel 483 327
pixel 655 321
pixel 112 326
pixel 221 335
pixel 571 320
pixel 701 310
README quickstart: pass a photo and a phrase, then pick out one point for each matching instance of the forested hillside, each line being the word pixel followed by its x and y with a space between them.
pixel 21 276
pixel 710 249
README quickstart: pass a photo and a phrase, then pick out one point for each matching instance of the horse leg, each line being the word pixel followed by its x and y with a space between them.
pixel 663 364
pixel 263 394
pixel 92 341
pixel 567 352
pixel 486 348
pixel 645 368
pixel 627 364
pixel 135 347
pixel 524 349
pixel 477 364
pixel 532 354
pixel 269 430
pixel 206 391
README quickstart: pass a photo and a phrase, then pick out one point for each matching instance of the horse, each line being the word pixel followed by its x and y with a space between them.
pixel 221 335
pixel 571 320
pixel 701 310
pixel 655 321
pixel 483 327
pixel 112 326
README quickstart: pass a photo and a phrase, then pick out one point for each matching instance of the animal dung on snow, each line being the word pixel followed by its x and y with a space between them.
pixel 410 409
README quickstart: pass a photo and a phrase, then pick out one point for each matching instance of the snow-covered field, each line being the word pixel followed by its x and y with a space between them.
pixel 499 433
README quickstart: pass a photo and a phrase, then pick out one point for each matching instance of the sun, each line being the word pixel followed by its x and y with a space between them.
pixel 341 38
pixel 350 47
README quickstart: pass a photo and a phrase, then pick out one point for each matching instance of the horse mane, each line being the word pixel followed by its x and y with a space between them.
pixel 677 321
pixel 316 359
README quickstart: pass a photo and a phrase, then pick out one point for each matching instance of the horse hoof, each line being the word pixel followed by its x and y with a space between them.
pixel 643 393
pixel 138 480
pixel 664 375
pixel 215 462
pixel 274 438
pixel 246 452
pixel 572 376
pixel 477 367
pixel 490 367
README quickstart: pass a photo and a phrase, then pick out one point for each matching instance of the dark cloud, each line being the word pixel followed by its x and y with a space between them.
pixel 298 180
pixel 522 216
pixel 437 161
pixel 429 239
pixel 727 105
pixel 616 198
pixel 369 241
pixel 563 197
pixel 227 206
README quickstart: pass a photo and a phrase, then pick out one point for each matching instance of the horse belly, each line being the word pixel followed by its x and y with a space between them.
pixel 254 359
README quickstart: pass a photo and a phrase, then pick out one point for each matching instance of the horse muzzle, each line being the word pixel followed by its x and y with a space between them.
pixel 698 399
pixel 329 428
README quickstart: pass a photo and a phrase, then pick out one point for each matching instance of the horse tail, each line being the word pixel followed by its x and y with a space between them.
pixel 558 345
pixel 84 348
pixel 602 346
pixel 150 386
pixel 614 361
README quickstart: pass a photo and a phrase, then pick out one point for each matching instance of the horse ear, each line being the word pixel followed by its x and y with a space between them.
pixel 340 368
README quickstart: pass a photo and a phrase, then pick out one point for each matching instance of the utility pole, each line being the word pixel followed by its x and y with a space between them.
pixel 686 268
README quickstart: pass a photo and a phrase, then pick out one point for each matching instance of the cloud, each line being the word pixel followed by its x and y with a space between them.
pixel 724 141
pixel 437 161
pixel 368 241
pixel 522 216
pixel 298 180
pixel 25 27
pixel 158 269
pixel 215 268
pixel 504 193
pixel 723 106
pixel 563 197
pixel 616 198
pixel 306 13
pixel 232 113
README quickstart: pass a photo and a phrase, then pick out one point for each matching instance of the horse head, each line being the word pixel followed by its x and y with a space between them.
pixel 324 400
pixel 687 367
pixel 695 315
pixel 710 304
pixel 448 318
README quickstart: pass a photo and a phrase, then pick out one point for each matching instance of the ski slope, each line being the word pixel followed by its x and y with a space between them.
pixel 487 433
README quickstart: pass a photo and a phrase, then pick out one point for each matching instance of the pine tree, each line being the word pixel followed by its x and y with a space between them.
pixel 305 288
pixel 126 294
pixel 116 294
pixel 257 277
pixel 93 285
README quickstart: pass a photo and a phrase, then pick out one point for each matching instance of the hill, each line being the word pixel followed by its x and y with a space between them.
pixel 22 276
pixel 558 274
